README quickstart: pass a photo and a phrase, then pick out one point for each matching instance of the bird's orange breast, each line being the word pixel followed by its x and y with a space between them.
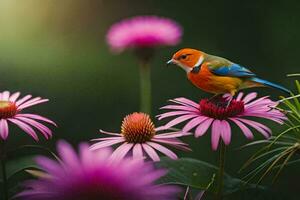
pixel 212 83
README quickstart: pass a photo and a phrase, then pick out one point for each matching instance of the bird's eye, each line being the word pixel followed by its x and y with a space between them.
pixel 183 57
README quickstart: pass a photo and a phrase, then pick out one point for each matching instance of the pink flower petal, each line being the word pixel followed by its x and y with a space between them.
pixel 169 135
pixel 121 151
pixel 178 120
pixel 202 128
pixel 38 117
pixel 239 97
pixel 25 98
pixel 256 109
pixel 151 152
pixel 215 134
pixel 107 143
pixel 170 114
pixel 247 132
pixel 193 123
pixel 67 154
pixel 163 150
pixel 137 151
pixel 85 155
pixel 160 128
pixel 102 154
pixel 249 97
pixel 266 116
pixel 43 129
pixel 259 101
pixel 50 166
pixel 106 138
pixel 5 95
pixel 225 131
pixel 3 129
pixel 14 96
pixel 27 104
pixel 110 133
pixel 25 127
pixel 186 101
pixel 258 126
pixel 180 107
pixel 181 147
pixel 174 143
pixel 31 100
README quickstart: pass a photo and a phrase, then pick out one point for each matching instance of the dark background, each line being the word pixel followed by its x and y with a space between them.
pixel 56 49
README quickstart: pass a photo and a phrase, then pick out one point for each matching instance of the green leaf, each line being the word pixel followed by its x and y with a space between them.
pixel 200 175
pixel 297 86
pixel 17 174
pixel 188 172
pixel 257 194
pixel 18 165
pixel 26 150
pixel 291 75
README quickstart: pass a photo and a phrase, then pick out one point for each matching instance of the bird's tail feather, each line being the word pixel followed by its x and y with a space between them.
pixel 273 85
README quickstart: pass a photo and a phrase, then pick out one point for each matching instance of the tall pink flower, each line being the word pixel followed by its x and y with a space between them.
pixel 11 111
pixel 91 175
pixel 218 115
pixel 143 31
pixel 142 35
pixel 139 136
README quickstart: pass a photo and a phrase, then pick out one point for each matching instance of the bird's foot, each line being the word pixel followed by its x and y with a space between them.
pixel 221 100
pixel 229 102
pixel 215 97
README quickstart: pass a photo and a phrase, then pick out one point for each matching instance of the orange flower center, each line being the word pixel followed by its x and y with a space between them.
pixel 137 128
pixel 7 109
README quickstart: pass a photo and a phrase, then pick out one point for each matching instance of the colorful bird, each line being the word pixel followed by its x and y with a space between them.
pixel 217 75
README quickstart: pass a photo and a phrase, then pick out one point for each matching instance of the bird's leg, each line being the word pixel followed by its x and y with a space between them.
pixel 229 98
pixel 225 100
pixel 229 102
pixel 214 97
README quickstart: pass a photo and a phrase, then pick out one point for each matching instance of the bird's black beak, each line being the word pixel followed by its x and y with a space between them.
pixel 170 62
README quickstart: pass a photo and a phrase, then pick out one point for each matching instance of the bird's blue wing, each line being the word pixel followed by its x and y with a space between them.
pixel 233 70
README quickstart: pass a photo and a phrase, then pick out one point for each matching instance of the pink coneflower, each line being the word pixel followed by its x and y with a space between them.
pixel 11 108
pixel 139 135
pixel 91 175
pixel 143 31
pixel 218 115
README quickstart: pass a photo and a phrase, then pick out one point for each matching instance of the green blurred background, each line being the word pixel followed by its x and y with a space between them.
pixel 56 49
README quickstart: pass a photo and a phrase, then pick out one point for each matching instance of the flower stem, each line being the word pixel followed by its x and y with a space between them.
pixel 220 183
pixel 3 170
pixel 145 88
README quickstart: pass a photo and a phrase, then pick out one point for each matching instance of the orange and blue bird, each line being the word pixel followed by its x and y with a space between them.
pixel 217 75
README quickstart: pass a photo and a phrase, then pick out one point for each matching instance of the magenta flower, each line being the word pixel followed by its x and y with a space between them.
pixel 11 108
pixel 218 115
pixel 91 175
pixel 139 136
pixel 143 31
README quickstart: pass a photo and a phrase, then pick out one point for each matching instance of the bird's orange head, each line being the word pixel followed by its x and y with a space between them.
pixel 187 58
